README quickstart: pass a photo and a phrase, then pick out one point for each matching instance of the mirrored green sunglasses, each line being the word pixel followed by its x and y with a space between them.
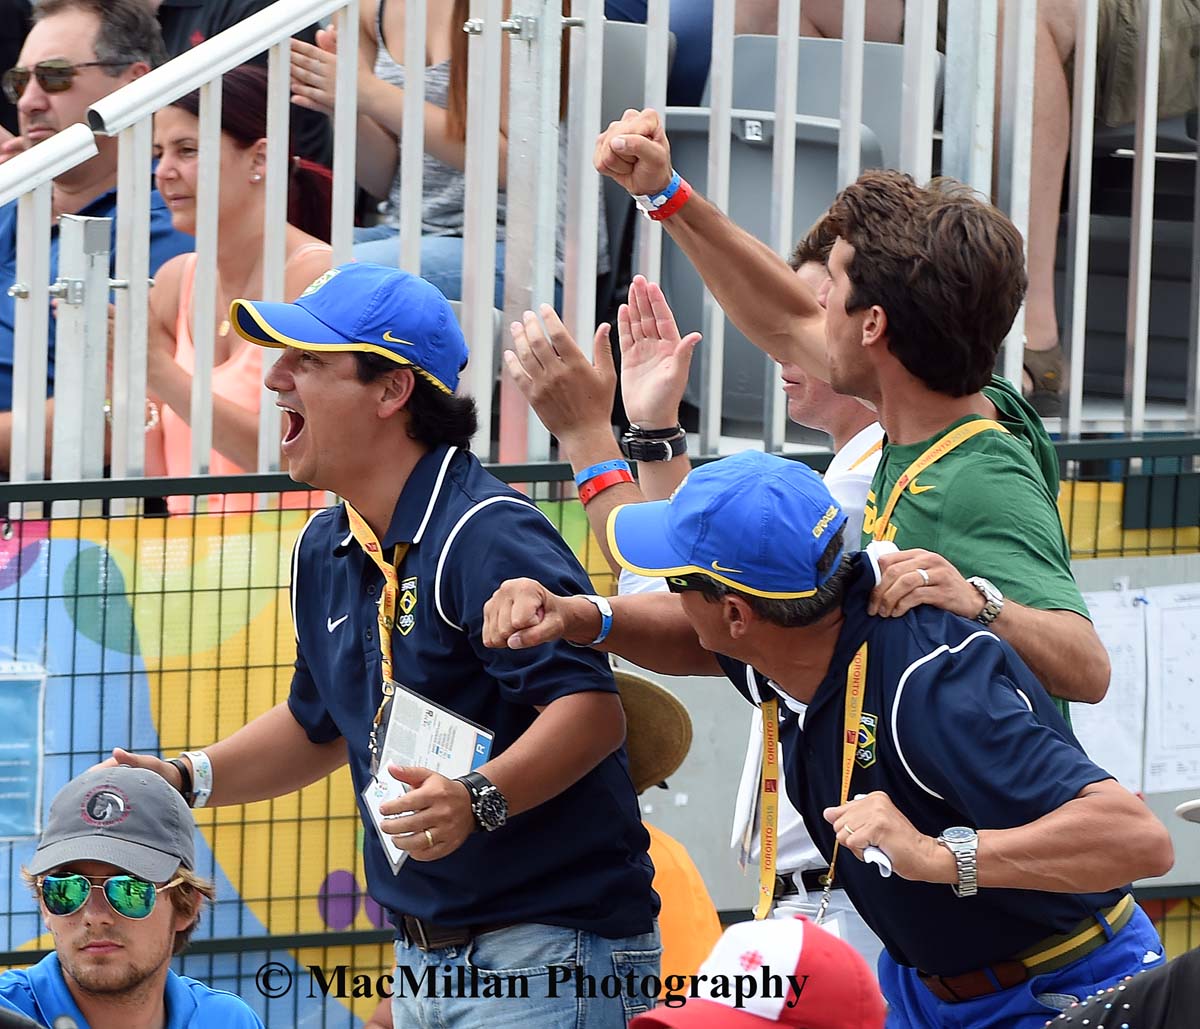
pixel 127 895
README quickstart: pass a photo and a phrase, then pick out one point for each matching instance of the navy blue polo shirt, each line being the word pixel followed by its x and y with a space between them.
pixel 579 860
pixel 165 243
pixel 957 731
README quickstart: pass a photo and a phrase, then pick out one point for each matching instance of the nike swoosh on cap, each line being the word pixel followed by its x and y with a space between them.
pixel 330 624
pixel 728 571
pixel 389 338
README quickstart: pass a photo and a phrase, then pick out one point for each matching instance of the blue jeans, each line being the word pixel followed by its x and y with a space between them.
pixel 1028 1005
pixel 441 258
pixel 528 976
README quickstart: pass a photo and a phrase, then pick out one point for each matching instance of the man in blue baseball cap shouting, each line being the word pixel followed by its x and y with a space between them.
pixel 932 769
pixel 513 841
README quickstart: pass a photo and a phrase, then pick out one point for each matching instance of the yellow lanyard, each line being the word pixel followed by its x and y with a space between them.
pixel 874 448
pixel 856 683
pixel 768 808
pixel 935 453
pixel 387 618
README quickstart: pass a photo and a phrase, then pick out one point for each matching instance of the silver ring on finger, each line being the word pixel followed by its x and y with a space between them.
pixel 924 576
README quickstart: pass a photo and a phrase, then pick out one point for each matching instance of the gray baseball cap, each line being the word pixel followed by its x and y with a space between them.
pixel 123 816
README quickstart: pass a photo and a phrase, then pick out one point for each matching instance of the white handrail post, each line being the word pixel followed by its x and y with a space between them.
pixel 535 34
pixel 275 212
pixel 132 321
pixel 648 234
pixel 204 306
pixel 920 51
pixel 1083 110
pixel 1016 147
pixel 412 143
pixel 31 333
pixel 783 170
pixel 583 183
pixel 712 353
pixel 479 218
pixel 854 27
pixel 82 343
pixel 969 108
pixel 1193 379
pixel 1141 244
pixel 345 127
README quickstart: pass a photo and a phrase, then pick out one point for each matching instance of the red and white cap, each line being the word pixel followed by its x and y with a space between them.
pixel 836 987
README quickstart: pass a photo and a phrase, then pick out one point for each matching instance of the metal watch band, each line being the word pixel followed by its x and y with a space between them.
pixel 993 600
pixel 965 859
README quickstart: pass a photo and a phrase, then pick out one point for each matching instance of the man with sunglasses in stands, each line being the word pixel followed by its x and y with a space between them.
pixel 114 875
pixel 76 53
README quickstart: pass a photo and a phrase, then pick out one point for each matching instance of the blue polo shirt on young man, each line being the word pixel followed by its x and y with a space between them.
pixel 957 731
pixel 578 860
pixel 165 243
pixel 41 993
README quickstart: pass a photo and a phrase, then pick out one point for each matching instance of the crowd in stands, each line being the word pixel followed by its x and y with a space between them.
pixel 925 578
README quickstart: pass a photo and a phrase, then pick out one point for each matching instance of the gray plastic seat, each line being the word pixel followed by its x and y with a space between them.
pixel 814 185
pixel 818 92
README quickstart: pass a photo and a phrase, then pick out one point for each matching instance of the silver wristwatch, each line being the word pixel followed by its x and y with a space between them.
pixel 962 843
pixel 993 600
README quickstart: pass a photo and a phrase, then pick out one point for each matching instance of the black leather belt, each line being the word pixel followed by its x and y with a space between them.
pixel 423 935
pixel 812 879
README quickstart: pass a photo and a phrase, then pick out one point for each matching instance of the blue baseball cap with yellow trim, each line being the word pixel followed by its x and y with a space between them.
pixel 755 522
pixel 367 308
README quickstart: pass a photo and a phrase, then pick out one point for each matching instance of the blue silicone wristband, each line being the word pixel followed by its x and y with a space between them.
pixel 605 628
pixel 672 188
pixel 600 469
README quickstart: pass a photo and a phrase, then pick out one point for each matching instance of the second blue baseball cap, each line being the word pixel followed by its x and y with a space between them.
pixel 755 522
pixel 369 308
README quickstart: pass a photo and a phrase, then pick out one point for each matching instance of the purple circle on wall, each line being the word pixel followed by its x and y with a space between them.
pixel 338 899
pixel 375 913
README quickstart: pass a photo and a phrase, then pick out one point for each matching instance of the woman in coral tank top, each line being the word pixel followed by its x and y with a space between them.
pixel 237 365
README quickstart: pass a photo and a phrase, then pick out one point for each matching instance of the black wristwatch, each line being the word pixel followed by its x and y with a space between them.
pixel 487 802
pixel 639 444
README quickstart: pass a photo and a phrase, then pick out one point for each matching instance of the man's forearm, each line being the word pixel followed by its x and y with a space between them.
pixel 567 740
pixel 659 479
pixel 584 449
pixel 649 629
pixel 753 285
pixel 1061 649
pixel 1070 850
pixel 269 757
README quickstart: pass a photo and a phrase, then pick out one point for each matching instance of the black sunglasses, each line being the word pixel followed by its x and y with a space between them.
pixel 54 76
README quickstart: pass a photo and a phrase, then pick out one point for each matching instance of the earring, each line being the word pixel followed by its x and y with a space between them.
pixel 256 177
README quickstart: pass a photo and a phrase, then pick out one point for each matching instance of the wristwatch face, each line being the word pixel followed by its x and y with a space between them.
pixel 958 834
pixel 491 809
pixel 990 593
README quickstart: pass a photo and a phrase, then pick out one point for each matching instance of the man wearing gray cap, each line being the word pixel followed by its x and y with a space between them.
pixel 114 874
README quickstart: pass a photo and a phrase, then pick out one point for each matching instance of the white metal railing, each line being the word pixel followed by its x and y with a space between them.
pixel 531 30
